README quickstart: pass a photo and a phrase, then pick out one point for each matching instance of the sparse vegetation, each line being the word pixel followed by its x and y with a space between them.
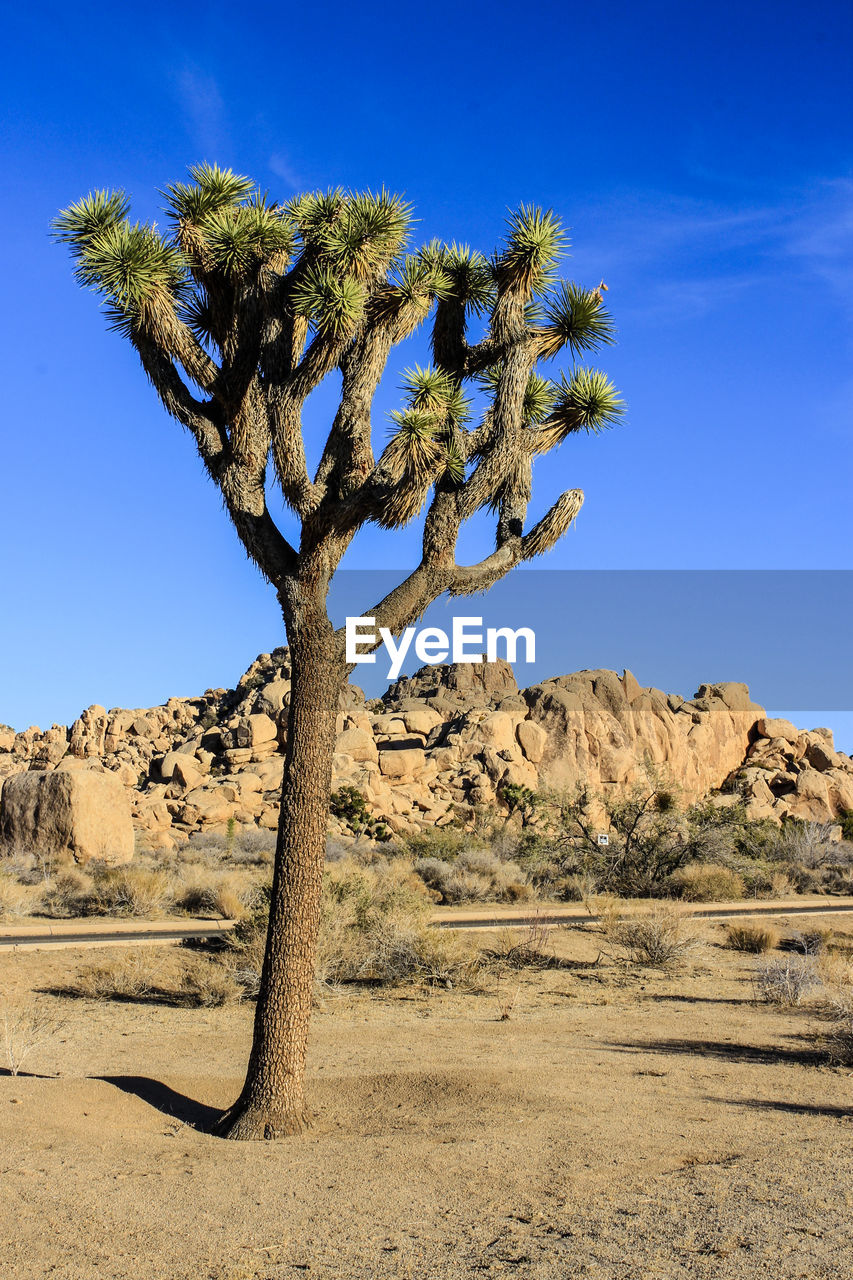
pixel 142 977
pixel 811 942
pixel 786 980
pixel 706 882
pixel 26 1028
pixel 837 1011
pixel 753 938
pixel 218 897
pixel 16 898
pixel 374 929
pixel 523 948
pixel 659 936
pixel 349 805
pixel 475 875
pixel 809 845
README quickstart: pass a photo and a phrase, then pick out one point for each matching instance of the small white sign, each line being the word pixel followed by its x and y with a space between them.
pixel 603 838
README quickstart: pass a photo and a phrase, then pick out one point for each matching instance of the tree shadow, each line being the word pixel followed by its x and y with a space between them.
pixel 28 1075
pixel 161 996
pixel 685 999
pixel 167 1100
pixel 767 1055
pixel 792 1108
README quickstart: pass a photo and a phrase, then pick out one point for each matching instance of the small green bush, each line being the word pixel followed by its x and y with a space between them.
pixel 349 805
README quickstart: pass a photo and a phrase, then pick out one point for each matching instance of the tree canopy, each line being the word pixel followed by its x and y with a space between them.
pixel 243 306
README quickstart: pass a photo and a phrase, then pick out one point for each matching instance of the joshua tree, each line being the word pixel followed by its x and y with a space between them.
pixel 237 313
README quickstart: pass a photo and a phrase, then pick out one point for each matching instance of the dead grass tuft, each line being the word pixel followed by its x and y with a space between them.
pixel 753 938
pixel 17 899
pixel 215 897
pixel 26 1028
pixel 137 976
pixel 707 882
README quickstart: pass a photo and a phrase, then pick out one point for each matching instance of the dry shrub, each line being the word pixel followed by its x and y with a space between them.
pixel 839 1035
pixel 99 890
pixel 780 885
pixel 374 928
pixel 476 875
pixel 522 948
pixel 133 975
pixel 69 893
pixel 208 985
pixel 706 882
pixel 808 845
pixel 201 982
pixel 657 936
pixel 134 891
pixel 754 938
pixel 810 942
pixel 17 899
pixel 837 1009
pixel 786 980
pixel 25 1028
pixel 220 898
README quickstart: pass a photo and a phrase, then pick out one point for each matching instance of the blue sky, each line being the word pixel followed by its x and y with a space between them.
pixel 700 154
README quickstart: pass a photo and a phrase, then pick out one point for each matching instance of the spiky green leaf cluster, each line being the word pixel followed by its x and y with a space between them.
pixel 539 394
pixel 535 241
pixel 238 239
pixel 210 190
pixel 454 464
pixel 368 233
pixel 334 304
pixel 97 212
pixel 470 275
pixel 315 213
pixel 575 318
pixel 423 446
pixel 587 401
pixel 131 264
pixel 413 452
pixel 436 392
pixel 413 282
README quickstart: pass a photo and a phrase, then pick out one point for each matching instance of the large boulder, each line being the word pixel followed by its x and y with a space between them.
pixel 81 813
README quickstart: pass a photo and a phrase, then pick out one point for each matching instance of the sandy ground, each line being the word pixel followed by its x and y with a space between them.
pixel 623 1125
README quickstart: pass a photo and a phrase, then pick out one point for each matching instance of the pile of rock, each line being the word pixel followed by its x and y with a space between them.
pixel 434 747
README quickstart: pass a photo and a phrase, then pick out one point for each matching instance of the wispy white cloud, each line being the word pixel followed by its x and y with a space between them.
pixel 280 165
pixel 205 116
pixel 689 256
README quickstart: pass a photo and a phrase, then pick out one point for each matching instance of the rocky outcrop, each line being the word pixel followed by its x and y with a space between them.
pixel 75 813
pixel 437 745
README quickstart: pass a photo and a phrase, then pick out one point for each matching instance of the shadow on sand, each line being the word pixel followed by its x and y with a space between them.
pixel 725 1051
pixel 791 1108
pixel 176 1105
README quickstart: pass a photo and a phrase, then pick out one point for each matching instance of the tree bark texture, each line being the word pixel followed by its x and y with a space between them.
pixel 272 1102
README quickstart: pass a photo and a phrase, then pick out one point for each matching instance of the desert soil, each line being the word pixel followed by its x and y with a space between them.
pixel 620 1124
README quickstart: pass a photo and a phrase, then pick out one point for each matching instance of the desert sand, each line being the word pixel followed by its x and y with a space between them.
pixel 622 1124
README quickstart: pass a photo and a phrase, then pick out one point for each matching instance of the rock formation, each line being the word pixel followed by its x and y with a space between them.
pixel 67 813
pixel 435 746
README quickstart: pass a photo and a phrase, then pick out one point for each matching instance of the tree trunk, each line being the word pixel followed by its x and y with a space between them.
pixel 271 1104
